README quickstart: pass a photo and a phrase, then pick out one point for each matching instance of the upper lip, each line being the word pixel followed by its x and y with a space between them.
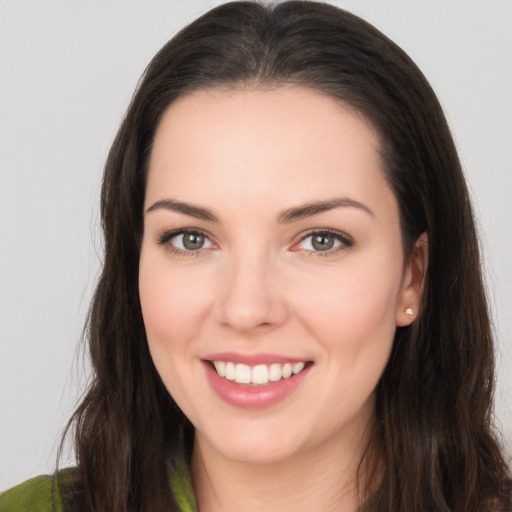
pixel 253 359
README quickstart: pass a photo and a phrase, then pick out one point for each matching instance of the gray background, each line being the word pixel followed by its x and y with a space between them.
pixel 67 72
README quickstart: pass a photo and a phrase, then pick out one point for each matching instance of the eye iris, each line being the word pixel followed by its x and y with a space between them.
pixel 193 241
pixel 322 242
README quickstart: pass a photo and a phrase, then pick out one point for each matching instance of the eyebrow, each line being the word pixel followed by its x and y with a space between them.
pixel 185 208
pixel 286 217
pixel 310 209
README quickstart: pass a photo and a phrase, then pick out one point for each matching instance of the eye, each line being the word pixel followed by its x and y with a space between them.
pixel 325 241
pixel 189 241
pixel 185 241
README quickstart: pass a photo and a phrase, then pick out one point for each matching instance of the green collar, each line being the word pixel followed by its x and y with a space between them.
pixel 181 485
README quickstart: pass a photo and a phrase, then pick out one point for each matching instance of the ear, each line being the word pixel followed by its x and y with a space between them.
pixel 413 282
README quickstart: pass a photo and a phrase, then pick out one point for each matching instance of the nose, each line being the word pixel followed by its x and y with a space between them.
pixel 251 297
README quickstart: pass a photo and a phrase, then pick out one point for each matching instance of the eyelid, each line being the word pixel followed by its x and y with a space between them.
pixel 346 241
pixel 167 236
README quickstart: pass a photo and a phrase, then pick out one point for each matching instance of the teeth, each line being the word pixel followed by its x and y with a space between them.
pixel 220 366
pixel 230 371
pixel 242 374
pixel 275 372
pixel 260 374
pixel 297 368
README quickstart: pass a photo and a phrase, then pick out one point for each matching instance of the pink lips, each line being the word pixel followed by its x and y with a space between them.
pixel 250 396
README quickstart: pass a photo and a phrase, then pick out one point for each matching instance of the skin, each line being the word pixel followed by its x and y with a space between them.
pixel 259 286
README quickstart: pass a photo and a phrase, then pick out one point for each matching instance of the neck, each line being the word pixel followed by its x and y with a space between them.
pixel 323 479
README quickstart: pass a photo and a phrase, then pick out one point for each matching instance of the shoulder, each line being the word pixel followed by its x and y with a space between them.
pixel 35 495
pixel 40 494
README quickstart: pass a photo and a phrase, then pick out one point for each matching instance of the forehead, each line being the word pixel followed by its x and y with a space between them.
pixel 290 144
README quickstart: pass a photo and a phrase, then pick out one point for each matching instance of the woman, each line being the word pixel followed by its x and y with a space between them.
pixel 290 255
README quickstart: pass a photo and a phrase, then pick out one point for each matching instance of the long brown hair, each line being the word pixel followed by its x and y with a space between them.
pixel 434 436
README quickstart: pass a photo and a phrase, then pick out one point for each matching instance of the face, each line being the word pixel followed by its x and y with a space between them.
pixel 272 276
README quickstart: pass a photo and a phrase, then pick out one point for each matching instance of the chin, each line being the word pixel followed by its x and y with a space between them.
pixel 260 447
pixel 257 455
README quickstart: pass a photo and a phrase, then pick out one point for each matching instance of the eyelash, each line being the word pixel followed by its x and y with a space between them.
pixel 166 237
pixel 345 242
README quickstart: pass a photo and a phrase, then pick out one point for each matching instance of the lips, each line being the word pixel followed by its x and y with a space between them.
pixel 254 381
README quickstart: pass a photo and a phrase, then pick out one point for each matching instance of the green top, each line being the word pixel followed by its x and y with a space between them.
pixel 34 495
pixel 40 494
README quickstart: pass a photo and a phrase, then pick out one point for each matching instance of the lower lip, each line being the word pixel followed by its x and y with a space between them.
pixel 253 397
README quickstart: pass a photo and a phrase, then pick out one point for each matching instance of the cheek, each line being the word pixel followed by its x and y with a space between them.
pixel 353 323
pixel 174 301
pixel 352 311
pixel 173 308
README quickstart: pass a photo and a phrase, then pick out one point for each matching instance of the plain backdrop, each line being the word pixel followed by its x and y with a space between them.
pixel 67 72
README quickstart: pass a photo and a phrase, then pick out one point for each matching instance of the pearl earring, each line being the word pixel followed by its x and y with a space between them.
pixel 409 312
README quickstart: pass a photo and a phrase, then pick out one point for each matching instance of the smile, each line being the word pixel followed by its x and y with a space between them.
pixel 258 375
pixel 255 381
